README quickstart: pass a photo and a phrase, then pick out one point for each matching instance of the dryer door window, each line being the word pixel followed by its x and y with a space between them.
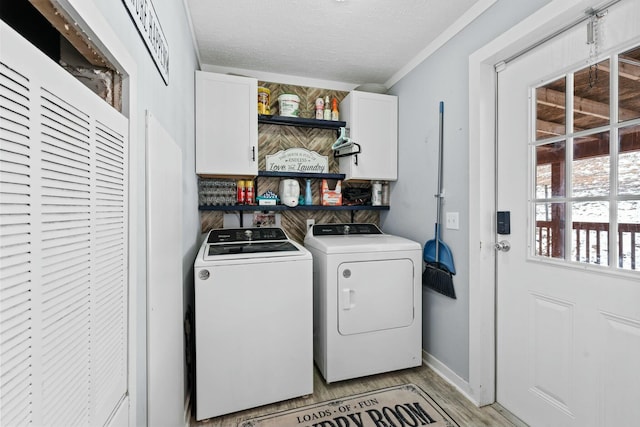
pixel 375 295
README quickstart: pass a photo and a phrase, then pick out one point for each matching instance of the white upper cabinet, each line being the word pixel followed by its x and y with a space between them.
pixel 226 124
pixel 373 122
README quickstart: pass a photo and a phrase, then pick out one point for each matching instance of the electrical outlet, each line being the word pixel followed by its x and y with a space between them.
pixel 453 221
pixel 310 223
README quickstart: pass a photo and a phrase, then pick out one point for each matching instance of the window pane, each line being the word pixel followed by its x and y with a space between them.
pixel 590 232
pixel 550 170
pixel 629 85
pixel 590 172
pixel 629 161
pixel 550 109
pixel 591 97
pixel 629 234
pixel 550 230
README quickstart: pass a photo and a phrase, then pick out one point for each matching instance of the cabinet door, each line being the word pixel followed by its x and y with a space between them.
pixel 373 122
pixel 226 124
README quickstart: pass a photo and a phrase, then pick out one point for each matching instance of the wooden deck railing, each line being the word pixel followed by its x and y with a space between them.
pixel 591 242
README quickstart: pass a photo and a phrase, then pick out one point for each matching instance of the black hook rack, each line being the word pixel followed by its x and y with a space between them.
pixel 337 153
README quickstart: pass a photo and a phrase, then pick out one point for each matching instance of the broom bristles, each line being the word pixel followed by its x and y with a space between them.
pixel 438 278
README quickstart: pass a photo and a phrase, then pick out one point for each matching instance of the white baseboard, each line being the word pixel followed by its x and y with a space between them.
pixel 187 410
pixel 448 375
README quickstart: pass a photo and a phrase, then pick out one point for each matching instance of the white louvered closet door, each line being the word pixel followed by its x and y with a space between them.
pixel 63 245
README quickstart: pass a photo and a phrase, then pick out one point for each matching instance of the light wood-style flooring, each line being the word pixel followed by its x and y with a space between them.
pixel 457 406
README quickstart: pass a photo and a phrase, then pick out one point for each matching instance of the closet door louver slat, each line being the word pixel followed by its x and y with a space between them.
pixel 110 261
pixel 63 248
pixel 16 281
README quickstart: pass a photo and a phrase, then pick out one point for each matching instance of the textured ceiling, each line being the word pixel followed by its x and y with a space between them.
pixel 350 41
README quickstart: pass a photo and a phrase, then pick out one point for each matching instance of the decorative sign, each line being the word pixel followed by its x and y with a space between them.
pixel 146 20
pixel 297 160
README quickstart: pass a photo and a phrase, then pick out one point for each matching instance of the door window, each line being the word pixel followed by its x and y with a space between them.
pixel 586 150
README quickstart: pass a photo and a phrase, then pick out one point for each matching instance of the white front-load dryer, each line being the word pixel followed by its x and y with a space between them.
pixel 367 300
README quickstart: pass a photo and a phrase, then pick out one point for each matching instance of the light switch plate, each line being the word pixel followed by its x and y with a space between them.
pixel 453 221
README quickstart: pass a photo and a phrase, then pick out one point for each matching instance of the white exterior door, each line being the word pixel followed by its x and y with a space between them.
pixel 568 293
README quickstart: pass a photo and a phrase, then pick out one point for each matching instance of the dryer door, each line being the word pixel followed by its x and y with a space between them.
pixel 375 295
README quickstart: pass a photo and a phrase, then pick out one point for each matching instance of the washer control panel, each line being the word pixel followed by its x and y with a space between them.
pixel 227 235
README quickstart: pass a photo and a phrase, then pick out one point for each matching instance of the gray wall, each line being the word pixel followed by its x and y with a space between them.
pixel 173 107
pixel 444 77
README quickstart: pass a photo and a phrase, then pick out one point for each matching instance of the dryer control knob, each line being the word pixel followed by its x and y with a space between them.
pixel 346 273
pixel 203 274
pixel 345 229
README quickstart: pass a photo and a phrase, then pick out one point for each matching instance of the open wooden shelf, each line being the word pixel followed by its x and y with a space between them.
pixel 301 122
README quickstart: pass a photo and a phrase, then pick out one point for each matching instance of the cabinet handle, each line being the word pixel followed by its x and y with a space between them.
pixel 253 153
pixel 355 159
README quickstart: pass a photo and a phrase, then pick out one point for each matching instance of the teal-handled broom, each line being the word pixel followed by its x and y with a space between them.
pixel 439 267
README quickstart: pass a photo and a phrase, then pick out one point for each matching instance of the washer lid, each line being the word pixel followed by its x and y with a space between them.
pixel 249 243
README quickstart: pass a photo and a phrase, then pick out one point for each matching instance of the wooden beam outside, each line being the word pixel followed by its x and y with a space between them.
pixel 550 128
pixel 628 71
pixel 554 98
pixel 628 68
pixel 588 147
pixel 550 97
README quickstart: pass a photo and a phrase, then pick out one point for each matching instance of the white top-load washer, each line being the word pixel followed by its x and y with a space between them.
pixel 253 320
pixel 367 300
